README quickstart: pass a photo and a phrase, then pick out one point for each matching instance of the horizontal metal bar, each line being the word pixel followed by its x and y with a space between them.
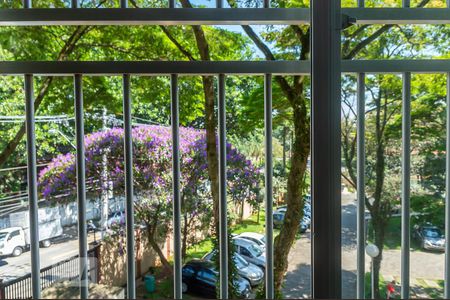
pixel 399 15
pixel 211 16
pixel 154 16
pixel 66 68
pixel 396 66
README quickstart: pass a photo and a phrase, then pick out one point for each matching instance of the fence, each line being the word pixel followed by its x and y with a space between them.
pixel 65 270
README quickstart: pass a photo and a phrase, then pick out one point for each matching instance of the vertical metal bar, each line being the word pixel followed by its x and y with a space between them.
pixel 406 176
pixel 81 186
pixel 326 149
pixel 266 3
pixel 219 3
pixel 32 187
pixel 123 3
pixel 178 291
pixel 406 3
pixel 447 198
pixel 360 222
pixel 27 4
pixel 129 212
pixel 361 3
pixel 75 4
pixel 172 3
pixel 270 294
pixel 223 235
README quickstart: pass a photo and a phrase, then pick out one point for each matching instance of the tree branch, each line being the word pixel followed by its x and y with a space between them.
pixel 68 48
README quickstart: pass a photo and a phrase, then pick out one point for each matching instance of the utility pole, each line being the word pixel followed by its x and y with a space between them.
pixel 104 200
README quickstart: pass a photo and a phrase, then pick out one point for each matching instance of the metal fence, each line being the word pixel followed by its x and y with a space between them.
pixel 65 270
pixel 327 19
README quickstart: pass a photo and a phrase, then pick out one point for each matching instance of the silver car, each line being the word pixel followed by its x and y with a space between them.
pixel 430 237
pixel 251 252
pixel 258 238
pixel 247 270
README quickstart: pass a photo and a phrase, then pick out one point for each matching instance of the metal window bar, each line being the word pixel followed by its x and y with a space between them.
pixel 32 186
pixel 223 226
pixel 81 186
pixel 447 197
pixel 406 177
pixel 325 149
pixel 213 16
pixel 268 185
pixel 129 212
pixel 178 291
pixel 361 196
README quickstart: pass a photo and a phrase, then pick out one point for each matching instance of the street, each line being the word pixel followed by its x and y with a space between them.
pixel 14 267
pixel 425 266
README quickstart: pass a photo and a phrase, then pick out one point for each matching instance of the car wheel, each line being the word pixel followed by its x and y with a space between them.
pixel 46 243
pixel 17 251
pixel 184 287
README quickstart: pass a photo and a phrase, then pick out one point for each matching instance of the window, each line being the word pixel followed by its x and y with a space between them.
pixel 244 251
pixel 207 276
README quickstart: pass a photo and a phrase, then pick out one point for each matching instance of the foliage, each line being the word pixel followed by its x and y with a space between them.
pixel 152 157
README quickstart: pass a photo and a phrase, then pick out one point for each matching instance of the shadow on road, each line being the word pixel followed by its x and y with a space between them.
pixel 298 286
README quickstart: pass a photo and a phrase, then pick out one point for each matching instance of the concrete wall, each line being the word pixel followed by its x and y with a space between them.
pixel 112 259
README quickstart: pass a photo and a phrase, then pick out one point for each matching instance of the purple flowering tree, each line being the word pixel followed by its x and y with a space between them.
pixel 152 170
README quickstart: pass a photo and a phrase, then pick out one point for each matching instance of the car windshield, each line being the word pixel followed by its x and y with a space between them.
pixel 255 250
pixel 432 233
pixel 3 235
pixel 240 262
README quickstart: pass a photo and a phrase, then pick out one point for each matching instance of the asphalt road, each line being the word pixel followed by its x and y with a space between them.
pixel 424 265
pixel 66 247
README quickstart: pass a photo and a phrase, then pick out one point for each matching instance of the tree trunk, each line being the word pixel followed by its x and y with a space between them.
pixel 166 265
pixel 284 150
pixel 379 226
pixel 294 201
pixel 185 237
pixel 211 148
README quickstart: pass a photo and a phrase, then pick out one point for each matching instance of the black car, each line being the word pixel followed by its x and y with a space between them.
pixel 200 277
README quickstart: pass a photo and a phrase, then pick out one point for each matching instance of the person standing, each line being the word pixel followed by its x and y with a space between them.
pixel 390 290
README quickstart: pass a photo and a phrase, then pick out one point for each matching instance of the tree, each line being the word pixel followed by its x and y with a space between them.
pixel 152 177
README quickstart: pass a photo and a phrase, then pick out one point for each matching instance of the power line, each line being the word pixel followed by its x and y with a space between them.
pixel 21 167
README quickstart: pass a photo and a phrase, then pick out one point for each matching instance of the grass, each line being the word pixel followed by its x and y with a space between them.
pixel 393 235
pixel 435 293
pixel 250 224
pixel 199 250
pixel 368 283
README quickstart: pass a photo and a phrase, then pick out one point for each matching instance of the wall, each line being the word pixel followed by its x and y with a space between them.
pixel 112 259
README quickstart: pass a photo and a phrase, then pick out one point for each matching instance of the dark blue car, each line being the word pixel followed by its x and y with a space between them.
pixel 200 277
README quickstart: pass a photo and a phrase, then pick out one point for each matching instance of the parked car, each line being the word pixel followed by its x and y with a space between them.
pixel 251 252
pixel 258 238
pixel 305 223
pixel 116 219
pixel 430 237
pixel 90 226
pixel 278 219
pixel 245 269
pixel 200 277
